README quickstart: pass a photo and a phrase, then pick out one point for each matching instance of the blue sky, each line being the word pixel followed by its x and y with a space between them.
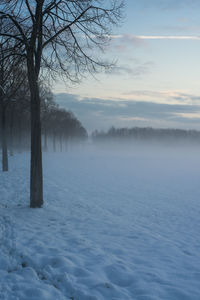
pixel 156 81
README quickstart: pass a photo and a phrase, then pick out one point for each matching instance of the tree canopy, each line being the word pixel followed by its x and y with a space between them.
pixel 62 34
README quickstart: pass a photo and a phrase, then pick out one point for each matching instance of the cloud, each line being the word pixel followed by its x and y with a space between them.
pixel 193 116
pixel 136 39
pixel 122 43
pixel 167 97
pixel 128 119
pixel 169 37
pixel 96 113
pixel 120 70
pixel 136 71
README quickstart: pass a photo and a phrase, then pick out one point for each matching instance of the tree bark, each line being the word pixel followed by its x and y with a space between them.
pixel 45 140
pixel 54 142
pixel 4 140
pixel 36 179
pixel 11 131
pixel 60 143
pixel 19 135
pixel 66 143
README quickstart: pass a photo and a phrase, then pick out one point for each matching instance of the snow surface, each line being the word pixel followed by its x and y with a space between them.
pixel 115 225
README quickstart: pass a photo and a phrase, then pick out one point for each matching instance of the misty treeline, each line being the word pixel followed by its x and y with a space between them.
pixel 60 128
pixel 147 134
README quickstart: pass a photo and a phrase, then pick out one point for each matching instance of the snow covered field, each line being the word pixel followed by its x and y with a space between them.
pixel 115 225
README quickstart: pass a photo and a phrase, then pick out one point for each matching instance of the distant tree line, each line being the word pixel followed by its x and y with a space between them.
pixel 147 134
pixel 59 126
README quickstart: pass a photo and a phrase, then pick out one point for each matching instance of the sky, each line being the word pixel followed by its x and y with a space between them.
pixel 156 79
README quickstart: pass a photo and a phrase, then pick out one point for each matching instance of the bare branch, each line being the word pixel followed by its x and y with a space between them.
pixel 66 27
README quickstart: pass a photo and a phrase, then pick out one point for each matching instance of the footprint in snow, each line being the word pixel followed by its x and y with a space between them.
pixel 119 275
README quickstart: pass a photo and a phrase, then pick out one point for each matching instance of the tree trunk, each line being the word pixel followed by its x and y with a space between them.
pixel 45 140
pixel 36 180
pixel 11 130
pixel 60 143
pixel 4 140
pixel 19 135
pixel 66 144
pixel 54 142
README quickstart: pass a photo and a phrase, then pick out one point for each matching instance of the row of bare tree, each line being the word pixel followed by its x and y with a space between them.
pixel 54 37
pixel 58 125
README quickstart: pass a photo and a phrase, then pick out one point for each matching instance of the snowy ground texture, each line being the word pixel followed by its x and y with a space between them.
pixel 115 225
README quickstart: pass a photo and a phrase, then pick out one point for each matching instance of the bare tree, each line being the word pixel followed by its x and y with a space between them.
pixel 59 36
pixel 11 79
pixel 47 104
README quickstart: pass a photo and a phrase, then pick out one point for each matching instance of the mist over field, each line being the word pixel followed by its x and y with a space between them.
pixel 118 222
pixel 100 150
